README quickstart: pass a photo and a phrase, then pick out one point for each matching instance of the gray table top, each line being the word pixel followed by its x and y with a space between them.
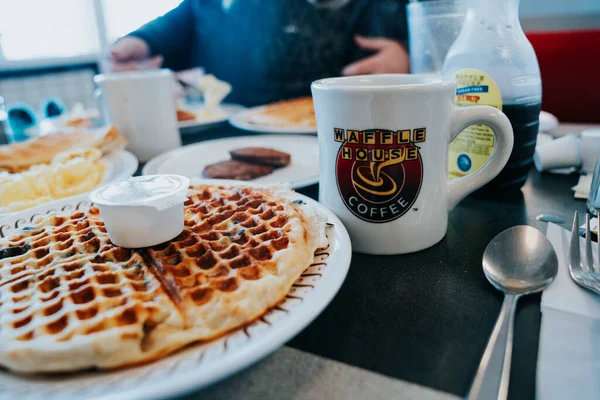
pixel 294 374
pixel 422 318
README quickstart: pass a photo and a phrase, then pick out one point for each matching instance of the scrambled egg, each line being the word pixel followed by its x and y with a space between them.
pixel 214 91
pixel 70 173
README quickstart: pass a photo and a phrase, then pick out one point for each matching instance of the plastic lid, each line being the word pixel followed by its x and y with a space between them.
pixel 158 191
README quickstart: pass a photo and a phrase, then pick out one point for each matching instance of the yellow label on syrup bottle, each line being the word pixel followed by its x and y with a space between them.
pixel 473 147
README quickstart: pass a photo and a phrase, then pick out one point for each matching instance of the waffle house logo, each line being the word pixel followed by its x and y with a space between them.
pixel 379 172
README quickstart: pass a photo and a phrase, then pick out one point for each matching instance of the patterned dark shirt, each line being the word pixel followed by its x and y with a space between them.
pixel 269 49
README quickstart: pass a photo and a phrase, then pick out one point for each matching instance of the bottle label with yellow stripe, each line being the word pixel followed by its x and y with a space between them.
pixel 474 146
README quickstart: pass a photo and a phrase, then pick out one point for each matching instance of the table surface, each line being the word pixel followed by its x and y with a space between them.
pixel 425 317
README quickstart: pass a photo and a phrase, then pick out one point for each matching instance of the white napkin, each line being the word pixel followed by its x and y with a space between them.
pixel 593 226
pixel 583 187
pixel 569 352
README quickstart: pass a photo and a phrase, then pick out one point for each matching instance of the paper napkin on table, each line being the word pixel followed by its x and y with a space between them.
pixel 569 351
pixel 582 189
pixel 593 226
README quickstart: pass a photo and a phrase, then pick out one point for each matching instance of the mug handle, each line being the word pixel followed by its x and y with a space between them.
pixel 466 116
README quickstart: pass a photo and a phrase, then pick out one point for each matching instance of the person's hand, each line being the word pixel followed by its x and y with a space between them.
pixel 131 53
pixel 389 57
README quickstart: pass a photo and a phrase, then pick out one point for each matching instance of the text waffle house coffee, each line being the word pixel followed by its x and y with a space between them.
pixel 383 142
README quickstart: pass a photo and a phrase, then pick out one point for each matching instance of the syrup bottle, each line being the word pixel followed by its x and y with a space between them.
pixel 494 64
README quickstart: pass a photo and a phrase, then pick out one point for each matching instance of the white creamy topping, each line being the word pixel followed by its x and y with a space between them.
pixel 139 189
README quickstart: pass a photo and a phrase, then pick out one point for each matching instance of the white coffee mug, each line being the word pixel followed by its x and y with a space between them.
pixel 383 143
pixel 141 105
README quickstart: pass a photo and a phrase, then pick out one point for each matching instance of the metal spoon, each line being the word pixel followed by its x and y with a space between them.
pixel 519 261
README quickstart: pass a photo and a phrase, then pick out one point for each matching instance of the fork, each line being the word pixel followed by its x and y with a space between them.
pixel 586 274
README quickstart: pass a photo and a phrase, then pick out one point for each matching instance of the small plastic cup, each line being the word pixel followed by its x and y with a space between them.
pixel 142 211
pixel 542 139
pixel 564 152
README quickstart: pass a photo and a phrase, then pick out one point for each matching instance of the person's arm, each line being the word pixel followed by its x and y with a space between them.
pixel 381 39
pixel 389 57
pixel 170 36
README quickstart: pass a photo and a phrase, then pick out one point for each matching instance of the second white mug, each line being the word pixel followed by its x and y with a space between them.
pixel 141 105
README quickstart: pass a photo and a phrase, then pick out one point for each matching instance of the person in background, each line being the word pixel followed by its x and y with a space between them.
pixel 270 50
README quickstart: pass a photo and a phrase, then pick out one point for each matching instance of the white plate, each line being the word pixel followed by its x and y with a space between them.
pixel 119 164
pixel 194 126
pixel 201 364
pixel 240 121
pixel 191 160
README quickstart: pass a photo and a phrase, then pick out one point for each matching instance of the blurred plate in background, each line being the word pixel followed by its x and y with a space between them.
pixel 242 121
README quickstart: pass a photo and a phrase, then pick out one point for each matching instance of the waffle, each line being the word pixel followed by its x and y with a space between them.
pixel 19 157
pixel 295 112
pixel 71 300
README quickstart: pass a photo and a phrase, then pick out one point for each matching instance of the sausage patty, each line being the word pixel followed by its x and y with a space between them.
pixel 261 155
pixel 238 170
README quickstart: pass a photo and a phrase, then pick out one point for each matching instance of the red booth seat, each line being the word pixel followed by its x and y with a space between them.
pixel 570 68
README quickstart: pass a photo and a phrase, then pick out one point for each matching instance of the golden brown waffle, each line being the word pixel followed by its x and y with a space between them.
pixel 41 150
pixel 70 300
pixel 295 112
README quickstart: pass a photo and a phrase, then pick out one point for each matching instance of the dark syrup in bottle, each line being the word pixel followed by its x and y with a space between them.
pixel 493 62
pixel 524 119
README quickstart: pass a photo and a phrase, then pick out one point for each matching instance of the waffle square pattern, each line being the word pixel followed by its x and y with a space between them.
pixel 71 300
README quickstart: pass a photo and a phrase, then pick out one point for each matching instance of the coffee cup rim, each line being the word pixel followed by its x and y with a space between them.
pixel 384 83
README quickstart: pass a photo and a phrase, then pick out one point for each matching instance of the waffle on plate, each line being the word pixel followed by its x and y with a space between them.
pixel 298 112
pixel 70 300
